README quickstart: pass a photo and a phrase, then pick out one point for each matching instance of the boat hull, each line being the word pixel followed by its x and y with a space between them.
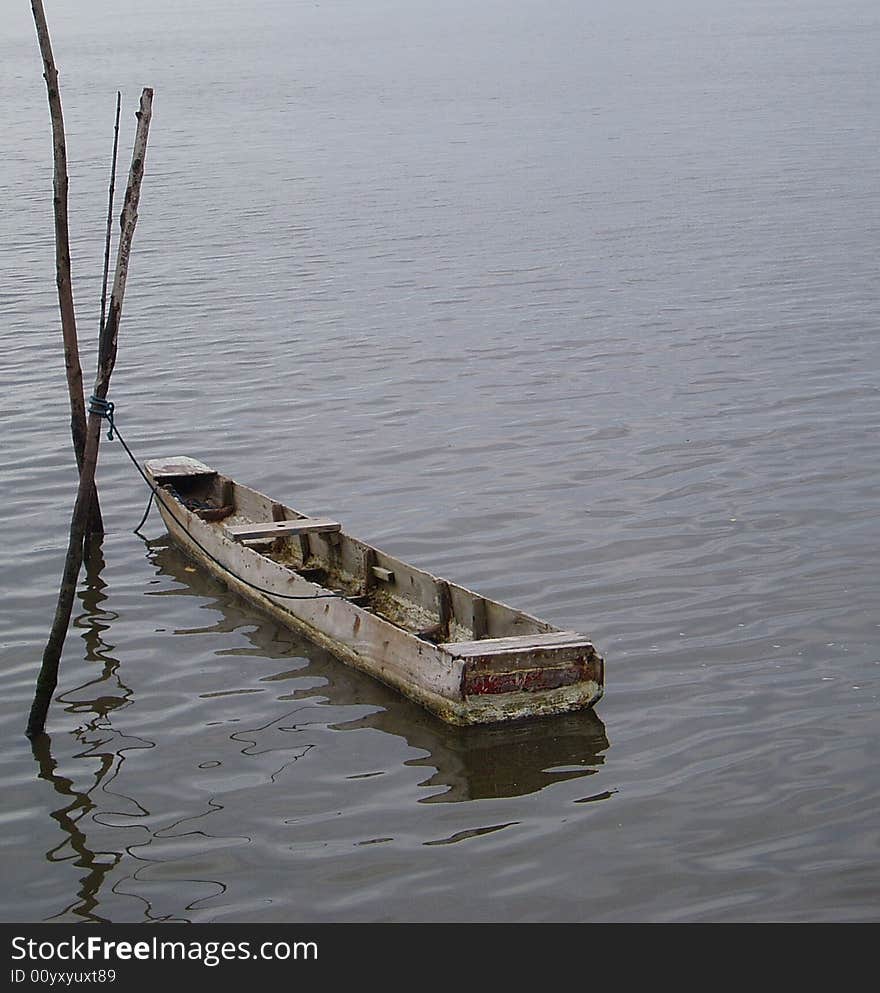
pixel 485 681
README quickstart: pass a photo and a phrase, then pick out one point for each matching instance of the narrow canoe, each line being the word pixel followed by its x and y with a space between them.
pixel 466 658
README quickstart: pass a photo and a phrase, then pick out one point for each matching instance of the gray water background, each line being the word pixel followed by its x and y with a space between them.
pixel 575 303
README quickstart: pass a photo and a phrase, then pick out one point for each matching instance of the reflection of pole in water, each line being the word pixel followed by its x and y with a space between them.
pixel 98 864
pixel 94 621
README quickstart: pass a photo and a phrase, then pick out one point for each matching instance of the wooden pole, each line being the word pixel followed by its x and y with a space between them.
pixel 107 346
pixel 62 260
pixel 110 213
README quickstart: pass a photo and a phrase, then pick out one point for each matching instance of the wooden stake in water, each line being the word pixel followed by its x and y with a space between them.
pixel 107 347
pixel 62 260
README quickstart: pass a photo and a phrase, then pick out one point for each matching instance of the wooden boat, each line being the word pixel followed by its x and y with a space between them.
pixel 468 659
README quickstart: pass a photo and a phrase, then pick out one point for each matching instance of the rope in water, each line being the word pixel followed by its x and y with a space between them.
pixel 105 409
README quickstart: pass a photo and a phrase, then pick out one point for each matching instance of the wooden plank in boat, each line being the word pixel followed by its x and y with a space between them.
pixel 480 624
pixel 280 529
pixel 498 646
pixel 177 466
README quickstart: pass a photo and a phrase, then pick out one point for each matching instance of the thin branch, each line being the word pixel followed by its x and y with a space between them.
pixel 128 220
pixel 110 196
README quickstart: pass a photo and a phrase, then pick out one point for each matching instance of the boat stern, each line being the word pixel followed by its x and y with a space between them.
pixel 506 679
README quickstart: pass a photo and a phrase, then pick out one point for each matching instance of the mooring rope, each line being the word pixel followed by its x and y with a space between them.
pixel 105 409
pixel 143 520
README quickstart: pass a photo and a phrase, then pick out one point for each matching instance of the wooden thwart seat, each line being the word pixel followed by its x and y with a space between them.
pixel 282 529
pixel 518 643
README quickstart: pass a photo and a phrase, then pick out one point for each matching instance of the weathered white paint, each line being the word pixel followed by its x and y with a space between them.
pixel 177 465
pixel 495 646
pixel 283 529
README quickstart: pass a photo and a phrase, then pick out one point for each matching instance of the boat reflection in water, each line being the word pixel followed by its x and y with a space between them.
pixel 490 763
pixel 472 763
pixel 135 846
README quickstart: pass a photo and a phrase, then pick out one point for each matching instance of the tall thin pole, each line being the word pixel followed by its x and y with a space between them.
pixel 62 260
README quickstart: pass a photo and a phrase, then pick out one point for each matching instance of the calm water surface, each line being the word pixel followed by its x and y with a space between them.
pixel 574 303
